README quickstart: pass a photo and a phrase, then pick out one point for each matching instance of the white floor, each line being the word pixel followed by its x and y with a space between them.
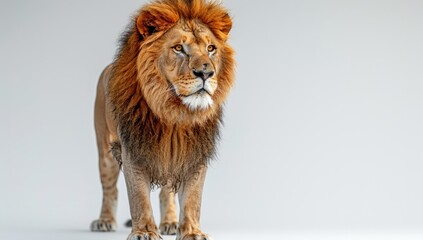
pixel 72 234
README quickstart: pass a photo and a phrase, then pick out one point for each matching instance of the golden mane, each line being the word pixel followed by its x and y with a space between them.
pixel 154 127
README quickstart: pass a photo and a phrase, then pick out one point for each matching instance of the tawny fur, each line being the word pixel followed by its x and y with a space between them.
pixel 142 121
pixel 161 134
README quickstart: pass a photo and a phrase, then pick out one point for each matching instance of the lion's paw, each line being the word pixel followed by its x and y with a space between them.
pixel 103 225
pixel 168 228
pixel 144 236
pixel 195 237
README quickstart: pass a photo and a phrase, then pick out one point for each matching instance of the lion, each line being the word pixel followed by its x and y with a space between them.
pixel 158 112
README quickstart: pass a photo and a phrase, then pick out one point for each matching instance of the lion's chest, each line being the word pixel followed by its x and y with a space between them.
pixel 171 153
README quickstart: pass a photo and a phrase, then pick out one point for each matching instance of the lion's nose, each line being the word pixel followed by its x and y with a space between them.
pixel 203 74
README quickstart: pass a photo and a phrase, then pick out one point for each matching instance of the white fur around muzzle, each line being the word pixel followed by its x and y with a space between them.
pixel 198 101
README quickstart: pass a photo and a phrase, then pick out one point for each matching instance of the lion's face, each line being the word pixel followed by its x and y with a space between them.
pixel 184 66
pixel 190 62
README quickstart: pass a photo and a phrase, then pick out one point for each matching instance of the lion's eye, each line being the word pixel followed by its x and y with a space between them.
pixel 211 48
pixel 178 48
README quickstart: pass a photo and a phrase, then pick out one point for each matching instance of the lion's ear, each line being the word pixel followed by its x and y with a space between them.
pixel 226 24
pixel 154 19
pixel 221 24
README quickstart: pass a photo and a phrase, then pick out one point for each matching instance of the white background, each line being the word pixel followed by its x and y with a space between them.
pixel 323 130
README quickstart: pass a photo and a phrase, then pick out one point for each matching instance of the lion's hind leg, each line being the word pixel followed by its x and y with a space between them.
pixel 109 167
pixel 109 172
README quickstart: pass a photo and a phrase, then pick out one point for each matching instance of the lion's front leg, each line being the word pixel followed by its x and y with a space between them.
pixel 190 205
pixel 169 220
pixel 139 187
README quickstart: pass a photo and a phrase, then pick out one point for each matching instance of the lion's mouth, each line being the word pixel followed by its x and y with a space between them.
pixel 200 99
pixel 201 91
